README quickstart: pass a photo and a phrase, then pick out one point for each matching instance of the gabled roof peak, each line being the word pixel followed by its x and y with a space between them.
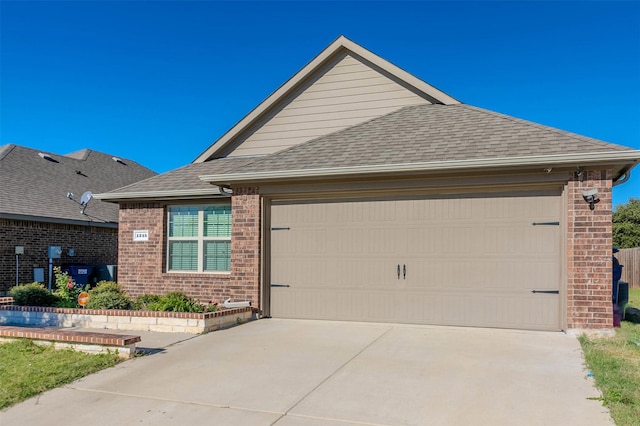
pixel 80 154
pixel 5 149
pixel 337 47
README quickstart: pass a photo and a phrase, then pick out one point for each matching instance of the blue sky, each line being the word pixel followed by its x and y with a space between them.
pixel 158 82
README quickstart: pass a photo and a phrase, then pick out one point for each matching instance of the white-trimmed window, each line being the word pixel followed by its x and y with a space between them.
pixel 199 238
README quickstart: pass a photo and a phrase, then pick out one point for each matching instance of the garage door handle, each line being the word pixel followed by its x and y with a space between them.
pixel 404 272
pixel 398 271
pixel 546 291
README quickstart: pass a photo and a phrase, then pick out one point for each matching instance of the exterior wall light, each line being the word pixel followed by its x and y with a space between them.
pixel 591 197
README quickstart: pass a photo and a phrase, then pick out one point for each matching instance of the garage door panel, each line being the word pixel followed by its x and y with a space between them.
pixel 331 242
pixel 497 239
pixel 470 260
pixel 489 273
pixel 336 304
pixel 448 308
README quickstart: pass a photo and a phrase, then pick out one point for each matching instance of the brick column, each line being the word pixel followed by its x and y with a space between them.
pixel 589 274
pixel 140 264
pixel 245 245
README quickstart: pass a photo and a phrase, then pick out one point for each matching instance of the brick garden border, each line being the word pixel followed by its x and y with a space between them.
pixel 89 342
pixel 168 322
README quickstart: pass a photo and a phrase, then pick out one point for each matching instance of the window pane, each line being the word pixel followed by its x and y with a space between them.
pixel 217 255
pixel 183 255
pixel 183 222
pixel 217 221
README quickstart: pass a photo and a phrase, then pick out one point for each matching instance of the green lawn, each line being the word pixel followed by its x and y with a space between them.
pixel 28 369
pixel 615 364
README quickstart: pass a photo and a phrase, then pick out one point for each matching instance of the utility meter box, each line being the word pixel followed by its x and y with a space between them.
pixel 54 252
pixel 38 275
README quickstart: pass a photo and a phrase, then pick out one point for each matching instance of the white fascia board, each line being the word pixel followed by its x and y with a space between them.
pixel 309 69
pixel 183 193
pixel 544 161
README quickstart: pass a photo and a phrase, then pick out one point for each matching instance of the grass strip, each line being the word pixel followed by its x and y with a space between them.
pixel 615 364
pixel 28 369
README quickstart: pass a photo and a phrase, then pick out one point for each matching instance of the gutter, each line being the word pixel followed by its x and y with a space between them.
pixel 625 157
pixel 180 193
pixel 58 220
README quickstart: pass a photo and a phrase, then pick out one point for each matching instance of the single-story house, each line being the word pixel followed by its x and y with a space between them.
pixel 357 191
pixel 45 201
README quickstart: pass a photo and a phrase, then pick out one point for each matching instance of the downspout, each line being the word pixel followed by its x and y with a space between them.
pixel 225 190
pixel 622 179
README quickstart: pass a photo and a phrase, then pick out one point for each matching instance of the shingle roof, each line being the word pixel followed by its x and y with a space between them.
pixel 429 133
pixel 184 178
pixel 36 187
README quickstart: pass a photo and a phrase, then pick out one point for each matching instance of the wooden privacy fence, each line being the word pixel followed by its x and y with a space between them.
pixel 630 259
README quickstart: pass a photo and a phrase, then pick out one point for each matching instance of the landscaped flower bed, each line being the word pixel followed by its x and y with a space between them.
pixel 109 307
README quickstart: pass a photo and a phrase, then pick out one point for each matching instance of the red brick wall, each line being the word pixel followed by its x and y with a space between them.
pixel 142 264
pixel 589 274
pixel 245 245
pixel 92 245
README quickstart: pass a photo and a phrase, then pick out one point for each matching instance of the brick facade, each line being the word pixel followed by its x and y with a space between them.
pixel 245 245
pixel 93 245
pixel 589 273
pixel 142 264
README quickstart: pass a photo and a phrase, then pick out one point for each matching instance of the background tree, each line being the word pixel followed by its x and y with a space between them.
pixel 626 224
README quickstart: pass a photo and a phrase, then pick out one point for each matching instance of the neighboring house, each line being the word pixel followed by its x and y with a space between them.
pixel 358 192
pixel 37 210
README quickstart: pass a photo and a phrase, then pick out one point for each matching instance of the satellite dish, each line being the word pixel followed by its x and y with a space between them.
pixel 85 198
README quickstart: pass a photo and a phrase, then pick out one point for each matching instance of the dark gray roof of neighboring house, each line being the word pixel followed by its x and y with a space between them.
pixel 182 179
pixel 429 133
pixel 33 187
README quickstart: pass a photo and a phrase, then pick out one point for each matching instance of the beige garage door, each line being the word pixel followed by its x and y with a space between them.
pixel 474 260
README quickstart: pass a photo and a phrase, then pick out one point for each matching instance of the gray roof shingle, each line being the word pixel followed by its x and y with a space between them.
pixel 33 186
pixel 184 178
pixel 429 133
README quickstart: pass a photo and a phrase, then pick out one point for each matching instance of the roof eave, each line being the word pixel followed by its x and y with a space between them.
pixel 115 197
pixel 340 43
pixel 58 220
pixel 628 158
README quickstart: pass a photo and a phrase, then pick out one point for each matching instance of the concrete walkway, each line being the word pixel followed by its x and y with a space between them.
pixel 287 372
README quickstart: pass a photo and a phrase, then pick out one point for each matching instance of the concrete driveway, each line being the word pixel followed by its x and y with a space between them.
pixel 288 372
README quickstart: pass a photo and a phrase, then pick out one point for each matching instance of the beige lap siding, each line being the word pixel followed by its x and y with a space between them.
pixel 142 264
pixel 589 275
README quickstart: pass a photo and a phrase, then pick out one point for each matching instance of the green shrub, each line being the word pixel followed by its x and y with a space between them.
pixel 144 301
pixel 106 287
pixel 108 300
pixel 33 294
pixel 108 295
pixel 175 301
pixel 66 289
